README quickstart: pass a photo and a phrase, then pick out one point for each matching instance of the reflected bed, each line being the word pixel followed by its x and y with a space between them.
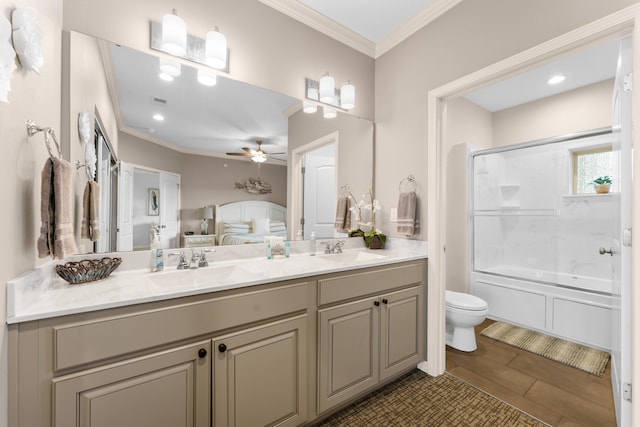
pixel 249 222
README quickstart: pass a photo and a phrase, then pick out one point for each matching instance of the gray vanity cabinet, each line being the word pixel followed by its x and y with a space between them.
pixel 367 340
pixel 166 389
pixel 259 376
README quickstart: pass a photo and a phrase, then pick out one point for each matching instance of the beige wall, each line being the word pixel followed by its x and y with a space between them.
pixel 35 97
pixel 267 48
pixel 472 35
pixel 467 127
pixel 578 110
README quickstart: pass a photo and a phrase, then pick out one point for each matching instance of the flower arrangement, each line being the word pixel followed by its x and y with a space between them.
pixel 373 238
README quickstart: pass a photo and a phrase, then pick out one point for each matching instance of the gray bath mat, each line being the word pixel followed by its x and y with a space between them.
pixel 576 355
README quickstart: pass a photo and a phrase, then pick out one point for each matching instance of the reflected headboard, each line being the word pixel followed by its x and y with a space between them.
pixel 245 211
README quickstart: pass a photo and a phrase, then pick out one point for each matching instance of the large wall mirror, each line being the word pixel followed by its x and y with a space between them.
pixel 182 159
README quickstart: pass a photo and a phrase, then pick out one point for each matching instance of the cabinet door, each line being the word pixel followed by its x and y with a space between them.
pixel 259 376
pixel 348 351
pixel 402 331
pixel 166 389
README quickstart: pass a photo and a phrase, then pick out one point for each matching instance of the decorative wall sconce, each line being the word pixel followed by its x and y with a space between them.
pixel 325 92
pixel 171 37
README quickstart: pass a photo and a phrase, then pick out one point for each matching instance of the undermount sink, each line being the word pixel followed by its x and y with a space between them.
pixel 197 277
pixel 353 257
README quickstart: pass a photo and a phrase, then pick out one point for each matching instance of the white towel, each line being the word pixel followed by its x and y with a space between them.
pixel 408 213
pixel 56 210
pixel 343 215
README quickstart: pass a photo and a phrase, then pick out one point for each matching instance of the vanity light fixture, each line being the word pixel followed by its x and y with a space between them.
pixel 308 106
pixel 169 69
pixel 216 50
pixel 329 112
pixel 207 78
pixel 324 92
pixel 327 89
pixel 174 34
pixel 556 79
pixel 347 96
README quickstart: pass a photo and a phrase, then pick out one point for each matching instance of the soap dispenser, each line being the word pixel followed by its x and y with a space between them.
pixel 157 258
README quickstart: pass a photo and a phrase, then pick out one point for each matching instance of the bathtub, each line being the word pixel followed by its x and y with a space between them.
pixel 571 307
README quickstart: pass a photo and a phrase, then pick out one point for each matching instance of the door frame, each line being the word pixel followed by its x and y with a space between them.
pixel 625 21
pixel 294 213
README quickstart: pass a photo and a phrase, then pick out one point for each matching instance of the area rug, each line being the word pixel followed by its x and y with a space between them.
pixel 575 355
pixel 419 400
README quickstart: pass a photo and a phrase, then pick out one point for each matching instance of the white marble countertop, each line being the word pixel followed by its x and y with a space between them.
pixel 41 294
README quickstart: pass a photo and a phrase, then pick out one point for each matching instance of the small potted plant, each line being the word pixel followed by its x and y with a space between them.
pixel 374 238
pixel 602 184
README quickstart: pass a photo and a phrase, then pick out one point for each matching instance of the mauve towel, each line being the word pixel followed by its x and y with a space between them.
pixel 90 228
pixel 408 213
pixel 56 210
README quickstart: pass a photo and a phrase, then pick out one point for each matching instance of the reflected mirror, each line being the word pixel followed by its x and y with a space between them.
pixel 182 160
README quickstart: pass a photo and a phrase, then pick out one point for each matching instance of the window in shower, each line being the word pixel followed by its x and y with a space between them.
pixel 589 165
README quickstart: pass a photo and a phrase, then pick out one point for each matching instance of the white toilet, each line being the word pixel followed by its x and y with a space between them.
pixel 463 312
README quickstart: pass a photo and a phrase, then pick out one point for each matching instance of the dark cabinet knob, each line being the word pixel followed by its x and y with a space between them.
pixel 222 348
pixel 376 303
pixel 385 301
pixel 202 353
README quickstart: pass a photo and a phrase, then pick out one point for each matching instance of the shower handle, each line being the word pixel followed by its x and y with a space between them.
pixel 605 251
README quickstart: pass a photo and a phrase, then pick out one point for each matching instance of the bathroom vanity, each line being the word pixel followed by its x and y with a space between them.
pixel 246 342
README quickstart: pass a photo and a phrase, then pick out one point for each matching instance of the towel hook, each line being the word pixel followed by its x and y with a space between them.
pixel 410 181
pixel 49 133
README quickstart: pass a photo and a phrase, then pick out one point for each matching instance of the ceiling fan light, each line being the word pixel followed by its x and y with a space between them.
pixel 259 159
pixel 309 107
pixel 216 50
pixel 327 88
pixel 172 68
pixel 329 112
pixel 174 34
pixel 347 96
pixel 207 78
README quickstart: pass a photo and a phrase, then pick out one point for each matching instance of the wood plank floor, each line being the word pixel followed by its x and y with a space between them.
pixel 550 391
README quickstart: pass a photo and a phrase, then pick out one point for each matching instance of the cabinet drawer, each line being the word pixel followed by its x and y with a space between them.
pixel 356 285
pixel 94 340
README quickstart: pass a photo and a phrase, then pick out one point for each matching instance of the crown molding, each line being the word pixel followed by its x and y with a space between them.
pixel 429 14
pixel 319 22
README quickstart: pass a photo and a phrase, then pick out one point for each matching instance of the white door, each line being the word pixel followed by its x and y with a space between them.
pixel 125 208
pixel 103 177
pixel 621 242
pixel 319 191
pixel 169 210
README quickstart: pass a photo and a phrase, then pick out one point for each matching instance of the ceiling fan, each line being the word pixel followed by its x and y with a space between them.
pixel 257 155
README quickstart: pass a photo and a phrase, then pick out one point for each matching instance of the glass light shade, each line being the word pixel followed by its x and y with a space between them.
pixel 347 96
pixel 309 107
pixel 207 78
pixel 329 112
pixel 327 88
pixel 216 50
pixel 169 67
pixel 259 159
pixel 174 34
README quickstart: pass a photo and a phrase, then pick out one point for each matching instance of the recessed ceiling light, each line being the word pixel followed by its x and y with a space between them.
pixel 158 117
pixel 556 79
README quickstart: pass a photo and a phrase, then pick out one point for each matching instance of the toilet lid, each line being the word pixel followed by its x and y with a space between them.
pixel 464 301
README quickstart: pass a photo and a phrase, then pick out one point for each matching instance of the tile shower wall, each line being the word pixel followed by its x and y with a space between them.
pixel 524 216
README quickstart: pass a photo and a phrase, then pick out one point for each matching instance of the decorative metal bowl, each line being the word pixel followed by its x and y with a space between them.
pixel 87 270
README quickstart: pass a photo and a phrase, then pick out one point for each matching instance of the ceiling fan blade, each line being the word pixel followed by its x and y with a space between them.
pixel 247 149
pixel 240 154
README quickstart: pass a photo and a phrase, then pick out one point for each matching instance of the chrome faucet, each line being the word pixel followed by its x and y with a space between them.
pixel 195 259
pixel 182 261
pixel 335 249
pixel 203 257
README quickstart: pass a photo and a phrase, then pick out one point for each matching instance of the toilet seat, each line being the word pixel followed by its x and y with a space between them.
pixel 463 301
